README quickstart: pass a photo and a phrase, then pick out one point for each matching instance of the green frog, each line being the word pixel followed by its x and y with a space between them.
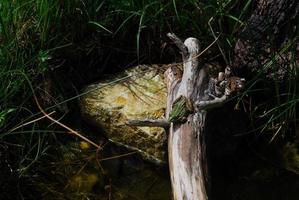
pixel 181 108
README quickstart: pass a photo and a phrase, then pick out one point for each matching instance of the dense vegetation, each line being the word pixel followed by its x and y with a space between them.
pixel 51 49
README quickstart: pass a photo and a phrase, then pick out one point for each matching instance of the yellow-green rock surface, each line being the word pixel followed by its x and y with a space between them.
pixel 139 93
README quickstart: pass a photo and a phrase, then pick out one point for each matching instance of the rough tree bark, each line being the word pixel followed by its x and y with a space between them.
pixel 190 94
pixel 270 28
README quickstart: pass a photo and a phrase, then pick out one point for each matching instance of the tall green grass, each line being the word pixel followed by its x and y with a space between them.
pixel 72 42
pixel 272 98
pixel 36 34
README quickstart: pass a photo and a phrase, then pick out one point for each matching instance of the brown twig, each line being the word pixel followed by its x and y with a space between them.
pixel 30 122
pixel 118 156
pixel 181 45
pixel 61 124
pixel 178 43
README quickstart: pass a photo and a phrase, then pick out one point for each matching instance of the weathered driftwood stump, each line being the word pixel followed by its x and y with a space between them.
pixel 190 94
pixel 186 140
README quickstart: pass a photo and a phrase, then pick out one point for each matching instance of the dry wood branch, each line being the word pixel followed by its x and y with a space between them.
pixel 149 123
pixel 178 43
pixel 205 105
pixel 30 122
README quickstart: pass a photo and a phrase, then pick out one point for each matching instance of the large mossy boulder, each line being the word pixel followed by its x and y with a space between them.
pixel 138 93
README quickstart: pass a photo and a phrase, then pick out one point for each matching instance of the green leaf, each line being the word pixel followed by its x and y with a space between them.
pixel 100 26
pixel 4 114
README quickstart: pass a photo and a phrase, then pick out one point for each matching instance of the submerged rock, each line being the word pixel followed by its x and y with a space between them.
pixel 138 93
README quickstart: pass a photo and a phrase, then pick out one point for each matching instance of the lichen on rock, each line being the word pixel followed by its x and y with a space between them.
pixel 109 104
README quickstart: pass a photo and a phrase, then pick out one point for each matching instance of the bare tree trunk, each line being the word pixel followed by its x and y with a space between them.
pixel 186 141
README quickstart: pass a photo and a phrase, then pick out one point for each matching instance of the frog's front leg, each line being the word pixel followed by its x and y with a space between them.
pixel 181 108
